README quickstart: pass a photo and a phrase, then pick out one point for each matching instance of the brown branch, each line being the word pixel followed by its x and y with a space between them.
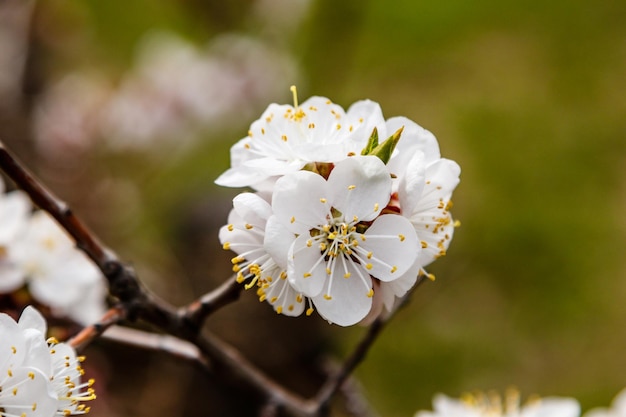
pixel 334 382
pixel 90 333
pixel 196 312
pixel 158 342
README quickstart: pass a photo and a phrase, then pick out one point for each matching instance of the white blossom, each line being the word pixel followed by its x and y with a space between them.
pixel 492 405
pixel 15 210
pixel 618 408
pixel 339 240
pixel 245 235
pixel 38 378
pixel 58 274
pixel 286 138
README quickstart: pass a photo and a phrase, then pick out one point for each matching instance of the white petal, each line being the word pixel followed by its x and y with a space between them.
pixel 11 277
pixel 14 210
pixel 299 201
pixel 412 183
pixel 32 319
pixel 34 391
pixel 392 242
pixel 252 208
pixel 278 240
pixel 307 267
pixel 414 137
pixel 360 186
pixel 552 407
pixel 350 302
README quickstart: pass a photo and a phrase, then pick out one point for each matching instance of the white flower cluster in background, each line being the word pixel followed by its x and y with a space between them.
pixel 341 221
pixel 175 90
pixel 492 405
pixel 35 251
pixel 39 377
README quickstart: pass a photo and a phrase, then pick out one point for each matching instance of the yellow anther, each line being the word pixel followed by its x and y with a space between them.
pixel 262 131
pixel 431 276
pixel 309 243
pixel 376 207
pixel 9 372
pixel 246 145
pixel 402 237
pixel 394 269
pixel 34 407
pixel 293 219
pixel 237 259
pixel 457 223
pixel 13 349
pixel 236 268
pixel 351 187
pixel 262 297
pixel 306 275
pixel 327 297
pixel 369 255
pixel 283 275
pixel 312 108
pixel 279 309
pixel 290 307
pixel 347 275
pixel 250 133
pixel 230 227
pixel 311 125
pixel 299 298
pixel 226 246
pixel 322 200
pixel 338 126
pixel 424 244
pixel 332 235
pixel 328 271
pixel 248 226
pixel 368 266
pixel 370 294
pixel 309 311
pixel 14 391
pixel 284 138
pixel 273 300
pixel 31 375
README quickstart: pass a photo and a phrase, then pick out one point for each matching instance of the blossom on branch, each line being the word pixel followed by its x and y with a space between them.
pixel 353 220
pixel 39 378
pixel 492 405
pixel 36 251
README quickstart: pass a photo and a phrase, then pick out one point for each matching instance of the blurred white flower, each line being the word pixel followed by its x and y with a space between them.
pixel 492 405
pixel 58 274
pixel 618 408
pixel 15 210
pixel 37 378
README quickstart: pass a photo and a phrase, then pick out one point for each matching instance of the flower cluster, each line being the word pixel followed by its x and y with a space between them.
pixel 341 221
pixel 492 405
pixel 618 408
pixel 39 378
pixel 34 250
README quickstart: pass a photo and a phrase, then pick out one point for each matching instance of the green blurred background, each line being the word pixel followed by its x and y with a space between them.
pixel 529 97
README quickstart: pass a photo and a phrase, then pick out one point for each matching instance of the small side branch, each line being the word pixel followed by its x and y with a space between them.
pixel 114 316
pixel 197 312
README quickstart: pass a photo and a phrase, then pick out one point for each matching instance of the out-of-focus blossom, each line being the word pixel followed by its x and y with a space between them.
pixel 618 408
pixel 492 405
pixel 174 92
pixel 67 116
pixel 15 210
pixel 58 274
pixel 39 378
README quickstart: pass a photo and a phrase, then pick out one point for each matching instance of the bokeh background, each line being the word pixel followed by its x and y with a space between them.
pixel 128 109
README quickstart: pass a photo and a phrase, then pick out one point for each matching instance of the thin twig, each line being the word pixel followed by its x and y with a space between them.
pixel 159 342
pixel 196 312
pixel 90 333
pixel 334 382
